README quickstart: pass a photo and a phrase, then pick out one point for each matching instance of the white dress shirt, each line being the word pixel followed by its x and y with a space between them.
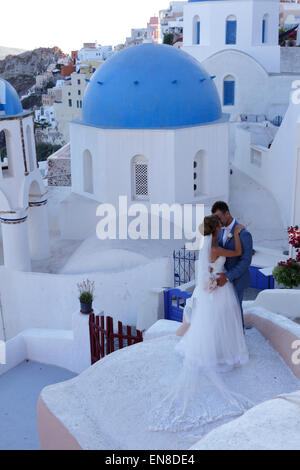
pixel 227 231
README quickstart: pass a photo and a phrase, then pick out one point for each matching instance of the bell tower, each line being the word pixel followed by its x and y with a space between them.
pixel 23 197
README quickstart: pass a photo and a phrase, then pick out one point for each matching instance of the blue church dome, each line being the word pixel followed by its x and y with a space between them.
pixel 10 104
pixel 151 86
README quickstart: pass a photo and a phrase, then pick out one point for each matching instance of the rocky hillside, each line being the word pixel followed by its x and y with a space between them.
pixel 5 51
pixel 20 70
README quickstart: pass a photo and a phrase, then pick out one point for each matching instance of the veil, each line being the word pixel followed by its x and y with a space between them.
pixel 199 396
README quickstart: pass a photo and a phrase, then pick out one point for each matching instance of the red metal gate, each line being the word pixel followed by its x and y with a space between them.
pixel 105 341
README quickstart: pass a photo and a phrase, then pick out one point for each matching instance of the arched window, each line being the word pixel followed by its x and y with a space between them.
pixel 2 97
pixel 231 29
pixel 200 174
pixel 5 153
pixel 29 138
pixel 196 30
pixel 88 174
pixel 140 178
pixel 264 38
pixel 229 91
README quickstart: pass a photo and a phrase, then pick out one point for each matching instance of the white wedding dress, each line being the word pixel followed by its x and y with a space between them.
pixel 213 345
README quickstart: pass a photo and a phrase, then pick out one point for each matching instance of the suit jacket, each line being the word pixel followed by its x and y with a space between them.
pixel 237 269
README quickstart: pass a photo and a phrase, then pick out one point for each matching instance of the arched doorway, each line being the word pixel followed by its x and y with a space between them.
pixel 5 153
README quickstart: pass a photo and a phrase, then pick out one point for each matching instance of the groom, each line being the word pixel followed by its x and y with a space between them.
pixel 237 269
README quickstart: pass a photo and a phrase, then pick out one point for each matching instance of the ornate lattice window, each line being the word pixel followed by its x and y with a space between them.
pixel 140 173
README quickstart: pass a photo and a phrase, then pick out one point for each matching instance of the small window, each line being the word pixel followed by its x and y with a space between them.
pixel 70 103
pixel 79 92
pixel 231 30
pixel 88 174
pixel 229 91
pixel 5 153
pixel 30 140
pixel 200 174
pixel 140 178
pixel 264 38
pixel 3 150
pixel 196 30
pixel 78 81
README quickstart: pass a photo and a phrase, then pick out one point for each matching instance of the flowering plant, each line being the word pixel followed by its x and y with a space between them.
pixel 288 273
pixel 294 239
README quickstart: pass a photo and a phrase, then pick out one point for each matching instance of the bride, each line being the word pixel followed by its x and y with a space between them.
pixel 212 325
pixel 213 342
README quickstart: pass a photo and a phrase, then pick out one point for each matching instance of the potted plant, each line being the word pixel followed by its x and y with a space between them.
pixel 294 240
pixel 86 296
pixel 287 273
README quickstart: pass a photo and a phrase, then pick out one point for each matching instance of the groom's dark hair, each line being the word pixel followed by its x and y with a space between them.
pixel 220 206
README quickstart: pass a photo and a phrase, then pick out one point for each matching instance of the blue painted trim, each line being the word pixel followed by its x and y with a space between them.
pixel 229 93
pixel 13 220
pixel 225 118
pixel 37 203
pixel 259 280
pixel 198 32
pixel 264 31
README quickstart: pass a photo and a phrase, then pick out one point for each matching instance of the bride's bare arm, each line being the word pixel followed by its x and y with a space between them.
pixel 219 251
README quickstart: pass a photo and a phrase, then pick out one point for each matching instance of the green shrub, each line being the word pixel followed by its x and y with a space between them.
pixel 86 298
pixel 287 273
pixel 86 291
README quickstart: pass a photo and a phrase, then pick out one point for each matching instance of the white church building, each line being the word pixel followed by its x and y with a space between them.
pixel 237 40
pixel 152 129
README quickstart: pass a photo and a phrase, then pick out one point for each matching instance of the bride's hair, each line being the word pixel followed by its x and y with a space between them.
pixel 209 225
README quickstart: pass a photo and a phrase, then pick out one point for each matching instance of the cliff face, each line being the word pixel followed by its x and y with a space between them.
pixel 5 51
pixel 20 70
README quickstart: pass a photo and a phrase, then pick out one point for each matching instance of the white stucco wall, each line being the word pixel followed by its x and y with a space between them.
pixel 214 141
pixel 256 91
pixel 34 300
pixel 170 154
pixel 277 170
pixel 249 15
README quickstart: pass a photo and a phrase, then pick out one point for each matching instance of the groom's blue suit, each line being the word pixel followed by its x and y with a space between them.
pixel 237 269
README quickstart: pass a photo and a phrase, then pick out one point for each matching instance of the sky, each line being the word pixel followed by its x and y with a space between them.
pixel 29 24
